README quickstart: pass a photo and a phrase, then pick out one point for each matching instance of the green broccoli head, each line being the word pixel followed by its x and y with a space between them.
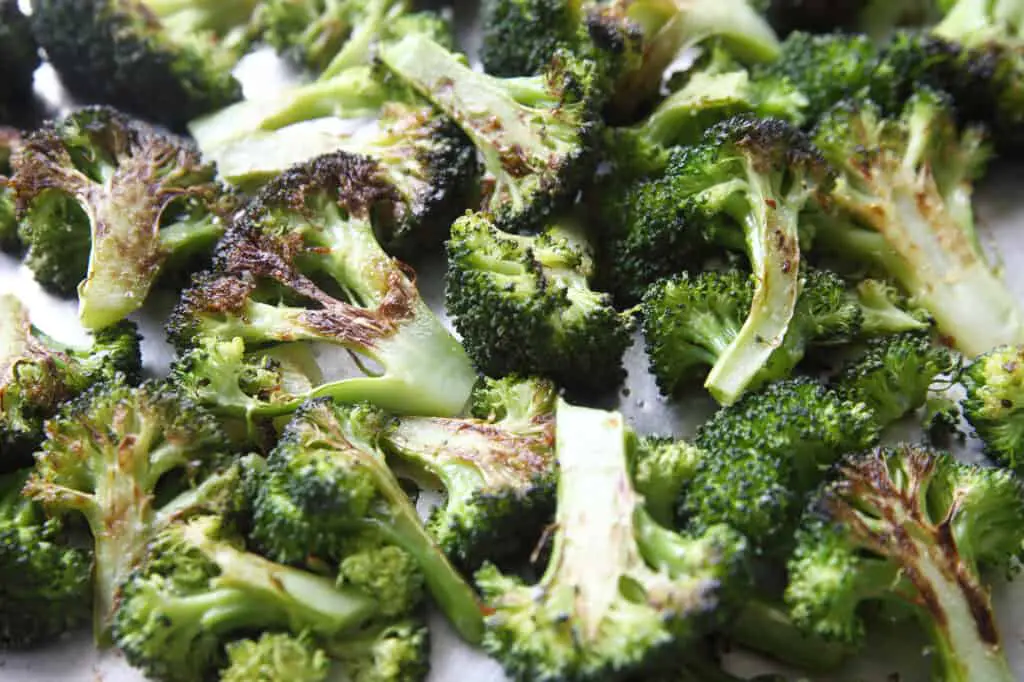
pixel 45 580
pixel 197 588
pixel 327 480
pixel 993 403
pixel 521 36
pixel 133 197
pixel 914 527
pixel 37 374
pixel 497 471
pixel 374 566
pixel 394 652
pixel 653 591
pixel 523 304
pixel 303 264
pixel 886 310
pixel 275 657
pixel 662 469
pixel 536 135
pixel 19 57
pixel 128 460
pixel 167 61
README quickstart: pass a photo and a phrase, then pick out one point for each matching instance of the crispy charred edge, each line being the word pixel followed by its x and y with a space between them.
pixel 248 254
pixel 870 478
pixel 773 144
pixel 611 31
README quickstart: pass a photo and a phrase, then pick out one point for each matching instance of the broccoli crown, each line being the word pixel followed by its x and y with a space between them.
pixel 894 373
pixel 394 652
pixel 303 263
pixel 164 61
pixel 994 383
pixel 524 304
pixel 498 472
pixel 521 36
pixel 37 375
pixel 652 591
pixel 106 454
pixel 769 450
pixel 19 57
pixel 916 527
pixel 45 580
pixel 904 207
pixel 197 588
pixel 326 480
pixel 275 657
pixel 690 321
pixel 142 194
pixel 886 310
pixel 662 469
pixel 536 135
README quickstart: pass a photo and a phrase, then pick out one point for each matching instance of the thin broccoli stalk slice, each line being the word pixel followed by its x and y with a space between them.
pixel 975 22
pixel 767 628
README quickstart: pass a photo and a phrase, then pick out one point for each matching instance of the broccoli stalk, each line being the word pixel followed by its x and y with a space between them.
pixel 327 482
pixel 534 133
pixel 105 456
pixel 993 402
pixel 497 470
pixel 976 23
pixel 915 527
pixel 648 594
pixel 275 657
pixel 317 221
pixel 904 195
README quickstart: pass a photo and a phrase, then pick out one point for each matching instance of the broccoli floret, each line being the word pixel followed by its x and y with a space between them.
pixel 915 527
pixel 904 208
pixel 303 264
pixel 107 456
pixel 894 373
pixel 427 157
pixel 135 198
pixel 536 135
pixel 524 304
pixel 164 60
pixel 769 450
pixel 197 586
pixel 275 657
pixel 37 375
pixel 652 591
pixel 396 652
pixel 45 580
pixel 10 139
pixel 690 321
pixel 326 480
pixel 662 469
pixel 19 57
pixel 993 403
pixel 886 310
pixel 521 36
pixel 497 470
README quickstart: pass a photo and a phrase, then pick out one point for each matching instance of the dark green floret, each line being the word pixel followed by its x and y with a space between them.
pixel 275 657
pixel 105 202
pixel 915 528
pixel 497 470
pixel 994 401
pixel 524 304
pixel 521 36
pixel 165 60
pixel 653 592
pixel 45 580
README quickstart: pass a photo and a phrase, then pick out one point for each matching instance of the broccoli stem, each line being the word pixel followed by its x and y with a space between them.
pixel 357 49
pixel 185 16
pixel 766 628
pixel 678 118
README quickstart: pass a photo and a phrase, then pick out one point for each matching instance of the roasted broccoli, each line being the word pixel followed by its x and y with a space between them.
pixel 536 135
pixel 690 321
pixel 652 591
pixel 129 460
pixel 886 310
pixel 497 469
pixel 275 657
pixel 37 374
pixel 303 264
pixel 903 201
pixel 19 57
pixel 165 60
pixel 105 202
pixel 395 652
pixel 45 579
pixel 993 403
pixel 10 139
pixel 519 37
pixel 914 527
pixel 327 494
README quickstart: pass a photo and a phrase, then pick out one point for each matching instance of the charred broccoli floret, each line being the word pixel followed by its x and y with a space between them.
pixel 129 460
pixel 497 470
pixel 303 264
pixel 903 203
pixel 536 135
pixel 653 590
pixel 275 657
pixel 45 580
pixel 105 202
pixel 37 375
pixel 994 383
pixel 165 60
pixel 524 304
pixel 19 57
pixel 327 485
pixel 914 527
pixel 521 36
